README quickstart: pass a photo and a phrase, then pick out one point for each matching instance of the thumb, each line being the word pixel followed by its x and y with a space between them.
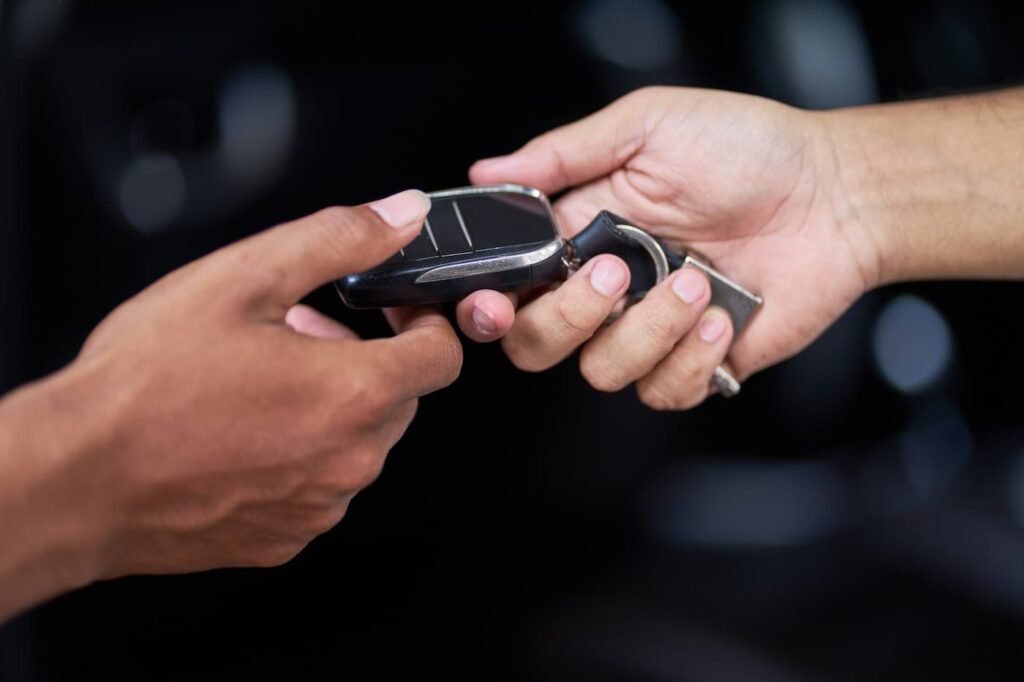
pixel 575 153
pixel 304 254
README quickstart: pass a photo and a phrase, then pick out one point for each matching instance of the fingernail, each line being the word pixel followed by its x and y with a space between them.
pixel 690 285
pixel 483 321
pixel 711 326
pixel 607 277
pixel 402 209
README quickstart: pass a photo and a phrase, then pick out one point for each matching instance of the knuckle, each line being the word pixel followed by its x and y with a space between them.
pixel 365 468
pixel 355 469
pixel 278 554
pixel 598 373
pixel 662 326
pixel 557 164
pixel 266 277
pixel 684 390
pixel 245 261
pixel 573 317
pixel 653 396
pixel 334 217
pixel 406 413
pixel 322 522
pixel 520 352
pixel 366 397
pixel 288 482
pixel 341 230
pixel 691 399
pixel 687 369
pixel 448 357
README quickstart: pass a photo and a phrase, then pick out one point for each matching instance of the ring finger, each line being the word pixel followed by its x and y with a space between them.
pixel 683 379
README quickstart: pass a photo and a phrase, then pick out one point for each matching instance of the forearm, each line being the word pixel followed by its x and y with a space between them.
pixel 48 529
pixel 937 185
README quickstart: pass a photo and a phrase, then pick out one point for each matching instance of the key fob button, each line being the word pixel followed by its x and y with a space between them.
pixel 447 229
pixel 507 220
pixel 421 247
pixel 500 237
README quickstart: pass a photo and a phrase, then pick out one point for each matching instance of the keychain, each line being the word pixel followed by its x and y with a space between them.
pixel 506 238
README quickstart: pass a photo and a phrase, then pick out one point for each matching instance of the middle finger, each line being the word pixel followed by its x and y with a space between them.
pixel 648 331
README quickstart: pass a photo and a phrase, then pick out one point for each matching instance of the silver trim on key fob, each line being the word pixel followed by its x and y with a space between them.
pixel 495 264
pixel 494 189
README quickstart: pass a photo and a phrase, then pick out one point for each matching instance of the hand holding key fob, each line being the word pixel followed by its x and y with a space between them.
pixel 505 237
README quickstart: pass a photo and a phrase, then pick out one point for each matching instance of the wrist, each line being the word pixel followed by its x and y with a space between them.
pixel 869 170
pixel 933 184
pixel 53 511
pixel 841 190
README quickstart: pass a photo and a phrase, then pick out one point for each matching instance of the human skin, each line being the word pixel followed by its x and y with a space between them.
pixel 210 421
pixel 808 209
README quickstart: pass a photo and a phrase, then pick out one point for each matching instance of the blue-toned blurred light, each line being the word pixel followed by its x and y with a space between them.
pixel 635 34
pixel 258 119
pixel 819 54
pixel 35 23
pixel 912 344
pixel 151 193
pixel 747 503
pixel 935 449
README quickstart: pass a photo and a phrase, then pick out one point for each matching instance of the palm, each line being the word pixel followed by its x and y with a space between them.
pixel 741 185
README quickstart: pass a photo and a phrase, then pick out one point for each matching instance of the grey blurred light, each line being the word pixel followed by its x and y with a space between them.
pixel 151 193
pixel 935 449
pixel 925 459
pixel 912 344
pixel 735 503
pixel 257 115
pixel 34 23
pixel 821 57
pixel 635 34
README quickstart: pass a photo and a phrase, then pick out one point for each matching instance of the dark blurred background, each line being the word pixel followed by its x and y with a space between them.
pixel 855 515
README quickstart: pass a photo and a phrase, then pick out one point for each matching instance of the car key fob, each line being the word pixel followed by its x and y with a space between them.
pixel 501 237
pixel 505 237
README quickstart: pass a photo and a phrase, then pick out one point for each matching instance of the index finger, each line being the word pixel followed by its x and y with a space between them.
pixel 551 327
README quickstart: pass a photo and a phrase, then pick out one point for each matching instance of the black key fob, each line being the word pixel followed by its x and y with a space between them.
pixel 505 237
pixel 499 237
